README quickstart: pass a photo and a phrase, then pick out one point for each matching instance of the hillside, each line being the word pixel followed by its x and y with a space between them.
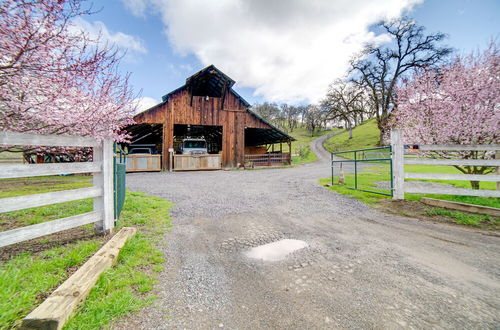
pixel 365 135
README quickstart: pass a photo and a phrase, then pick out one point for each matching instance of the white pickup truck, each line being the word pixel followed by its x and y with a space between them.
pixel 194 146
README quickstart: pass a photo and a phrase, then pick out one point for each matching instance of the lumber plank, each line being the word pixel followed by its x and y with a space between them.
pixel 453 162
pixel 28 139
pixel 459 147
pixel 28 170
pixel 462 206
pixel 409 188
pixel 60 305
pixel 446 176
pixel 45 228
pixel 24 202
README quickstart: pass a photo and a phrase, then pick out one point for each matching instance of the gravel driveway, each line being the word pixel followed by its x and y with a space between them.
pixel 362 268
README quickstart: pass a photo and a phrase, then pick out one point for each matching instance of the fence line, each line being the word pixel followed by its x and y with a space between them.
pixel 268 159
pixel 102 190
pixel 400 187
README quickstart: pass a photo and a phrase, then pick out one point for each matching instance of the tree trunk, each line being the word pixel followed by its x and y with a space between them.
pixel 474 185
pixel 382 125
pixel 349 127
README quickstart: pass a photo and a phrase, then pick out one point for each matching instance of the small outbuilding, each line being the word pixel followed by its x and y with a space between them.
pixel 207 108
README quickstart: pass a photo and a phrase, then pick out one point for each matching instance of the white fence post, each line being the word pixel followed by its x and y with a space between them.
pixel 497 156
pixel 104 179
pixel 398 164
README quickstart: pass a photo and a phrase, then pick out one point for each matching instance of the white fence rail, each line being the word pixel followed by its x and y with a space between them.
pixel 400 186
pixel 102 190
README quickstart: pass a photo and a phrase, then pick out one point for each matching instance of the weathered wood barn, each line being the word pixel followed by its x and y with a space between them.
pixel 207 107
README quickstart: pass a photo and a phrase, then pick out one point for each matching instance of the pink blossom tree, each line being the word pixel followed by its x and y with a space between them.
pixel 55 79
pixel 455 104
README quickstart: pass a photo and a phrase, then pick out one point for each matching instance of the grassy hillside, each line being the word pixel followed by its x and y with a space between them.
pixel 365 135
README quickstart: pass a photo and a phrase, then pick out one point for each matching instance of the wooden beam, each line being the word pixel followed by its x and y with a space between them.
pixel 26 139
pixel 458 147
pixel 445 176
pixel 45 228
pixel 462 206
pixel 58 307
pixel 27 170
pixel 398 162
pixel 24 202
pixel 453 162
pixel 409 188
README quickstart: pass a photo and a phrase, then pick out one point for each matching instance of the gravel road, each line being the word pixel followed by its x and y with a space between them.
pixel 362 268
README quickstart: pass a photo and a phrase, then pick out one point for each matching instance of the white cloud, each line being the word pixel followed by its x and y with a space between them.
pixel 130 44
pixel 287 50
pixel 136 7
pixel 144 103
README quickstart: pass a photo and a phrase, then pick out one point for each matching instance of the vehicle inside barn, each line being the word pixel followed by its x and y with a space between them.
pixel 204 125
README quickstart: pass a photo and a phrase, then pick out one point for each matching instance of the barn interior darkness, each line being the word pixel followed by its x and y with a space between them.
pixel 212 134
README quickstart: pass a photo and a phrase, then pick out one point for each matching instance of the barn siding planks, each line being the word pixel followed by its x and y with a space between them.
pixel 233 118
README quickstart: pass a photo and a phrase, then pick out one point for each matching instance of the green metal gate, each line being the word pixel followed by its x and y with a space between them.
pixel 377 155
pixel 119 163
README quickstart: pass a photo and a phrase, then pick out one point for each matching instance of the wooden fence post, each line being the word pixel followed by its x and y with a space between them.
pixel 398 164
pixel 497 156
pixel 104 179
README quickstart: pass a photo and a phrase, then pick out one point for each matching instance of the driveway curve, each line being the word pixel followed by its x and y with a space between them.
pixel 362 268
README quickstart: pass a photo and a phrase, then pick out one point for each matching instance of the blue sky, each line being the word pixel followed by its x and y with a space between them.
pixel 276 50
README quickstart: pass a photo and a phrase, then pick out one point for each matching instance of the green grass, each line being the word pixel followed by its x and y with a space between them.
pixel 365 135
pixel 36 185
pixel 122 289
pixel 368 178
pixel 301 146
pixel 27 278
pixel 463 218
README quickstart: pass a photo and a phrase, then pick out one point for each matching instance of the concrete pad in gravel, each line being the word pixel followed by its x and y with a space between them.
pixel 276 251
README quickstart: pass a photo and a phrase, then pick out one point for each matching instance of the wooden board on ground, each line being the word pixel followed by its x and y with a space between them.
pixel 58 307
pixel 462 206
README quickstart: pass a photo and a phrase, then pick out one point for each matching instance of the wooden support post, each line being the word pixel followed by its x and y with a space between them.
pixel 58 307
pixel 497 156
pixel 105 203
pixel 398 164
pixel 170 160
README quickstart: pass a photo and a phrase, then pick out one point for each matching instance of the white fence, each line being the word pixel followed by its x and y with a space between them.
pixel 102 189
pixel 399 160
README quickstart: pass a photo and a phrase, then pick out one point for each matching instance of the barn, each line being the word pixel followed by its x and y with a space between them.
pixel 206 108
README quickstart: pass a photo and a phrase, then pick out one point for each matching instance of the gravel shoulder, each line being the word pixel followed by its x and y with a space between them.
pixel 363 268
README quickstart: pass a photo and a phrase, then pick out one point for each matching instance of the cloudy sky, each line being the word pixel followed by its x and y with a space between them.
pixel 276 50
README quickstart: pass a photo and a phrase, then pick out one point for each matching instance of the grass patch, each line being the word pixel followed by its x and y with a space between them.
pixel 463 218
pixel 41 184
pixel 370 177
pixel 25 280
pixel 122 289
pixel 365 135
pixel 37 185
